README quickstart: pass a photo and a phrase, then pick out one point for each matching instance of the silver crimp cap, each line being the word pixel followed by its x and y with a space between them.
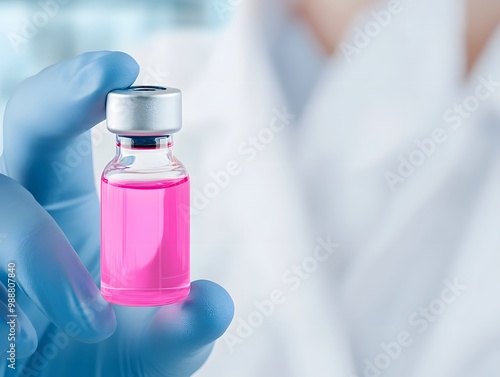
pixel 144 111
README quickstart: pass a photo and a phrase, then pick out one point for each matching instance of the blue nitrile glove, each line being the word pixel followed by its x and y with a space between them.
pixel 49 227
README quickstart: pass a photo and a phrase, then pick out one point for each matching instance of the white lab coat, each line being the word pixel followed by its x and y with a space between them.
pixel 324 177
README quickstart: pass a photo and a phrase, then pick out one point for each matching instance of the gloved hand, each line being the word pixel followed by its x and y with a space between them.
pixel 49 227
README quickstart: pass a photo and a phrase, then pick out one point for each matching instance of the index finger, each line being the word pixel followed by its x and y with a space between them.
pixel 49 115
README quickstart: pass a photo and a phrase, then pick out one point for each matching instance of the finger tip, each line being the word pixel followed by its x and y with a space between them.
pixel 107 71
pixel 121 68
pixel 212 306
pixel 26 346
pixel 125 68
pixel 112 70
pixel 105 325
pixel 96 322
pixel 194 323
pixel 23 342
pixel 28 338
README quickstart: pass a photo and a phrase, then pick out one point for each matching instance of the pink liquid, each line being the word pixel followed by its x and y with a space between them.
pixel 145 242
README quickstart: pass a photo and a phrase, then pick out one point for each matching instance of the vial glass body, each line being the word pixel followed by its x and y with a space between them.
pixel 145 224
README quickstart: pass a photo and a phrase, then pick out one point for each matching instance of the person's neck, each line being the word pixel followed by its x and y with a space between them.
pixel 483 18
pixel 328 20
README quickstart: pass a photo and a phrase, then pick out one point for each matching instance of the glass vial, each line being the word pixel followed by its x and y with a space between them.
pixel 145 195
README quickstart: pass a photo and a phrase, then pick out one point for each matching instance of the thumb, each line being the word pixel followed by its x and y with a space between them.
pixel 179 337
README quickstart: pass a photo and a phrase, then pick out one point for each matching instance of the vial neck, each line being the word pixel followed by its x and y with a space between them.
pixel 144 146
pixel 144 143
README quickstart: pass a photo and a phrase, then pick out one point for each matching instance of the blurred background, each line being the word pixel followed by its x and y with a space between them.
pixel 344 164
